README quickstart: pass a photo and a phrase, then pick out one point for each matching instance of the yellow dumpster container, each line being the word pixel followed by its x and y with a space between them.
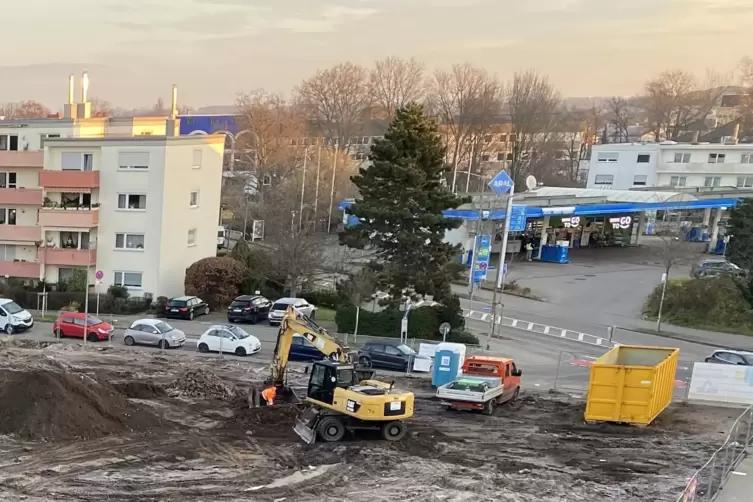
pixel 631 384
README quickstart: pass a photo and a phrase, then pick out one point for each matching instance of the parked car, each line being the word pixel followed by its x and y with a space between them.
pixel 79 325
pixel 303 350
pixel 738 357
pixel 154 332
pixel 13 317
pixel 186 307
pixel 277 311
pixel 716 268
pixel 390 355
pixel 249 308
pixel 230 339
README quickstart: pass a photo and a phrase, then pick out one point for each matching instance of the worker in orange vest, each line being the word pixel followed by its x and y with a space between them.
pixel 269 395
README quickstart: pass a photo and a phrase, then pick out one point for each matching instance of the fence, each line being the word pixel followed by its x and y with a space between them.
pixel 709 479
pixel 573 373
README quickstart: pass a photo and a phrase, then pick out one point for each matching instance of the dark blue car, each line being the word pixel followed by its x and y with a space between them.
pixel 303 350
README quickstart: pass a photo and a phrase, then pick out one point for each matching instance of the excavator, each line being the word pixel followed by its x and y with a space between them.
pixel 342 396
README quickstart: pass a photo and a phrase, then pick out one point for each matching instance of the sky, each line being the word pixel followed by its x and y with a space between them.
pixel 134 50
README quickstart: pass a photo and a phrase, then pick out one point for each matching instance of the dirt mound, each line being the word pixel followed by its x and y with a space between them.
pixel 49 405
pixel 140 390
pixel 202 384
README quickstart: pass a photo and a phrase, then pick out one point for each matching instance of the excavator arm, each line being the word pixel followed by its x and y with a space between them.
pixel 295 322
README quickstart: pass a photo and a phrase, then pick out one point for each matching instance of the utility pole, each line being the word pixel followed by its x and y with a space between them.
pixel 316 190
pixel 501 269
pixel 332 189
pixel 303 188
pixel 470 166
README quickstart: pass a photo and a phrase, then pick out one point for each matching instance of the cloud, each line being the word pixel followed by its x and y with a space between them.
pixel 218 22
pixel 329 18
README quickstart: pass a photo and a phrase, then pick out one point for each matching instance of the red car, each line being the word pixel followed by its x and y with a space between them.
pixel 71 324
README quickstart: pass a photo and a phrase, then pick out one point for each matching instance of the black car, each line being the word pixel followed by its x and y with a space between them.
pixel 186 307
pixel 387 355
pixel 248 308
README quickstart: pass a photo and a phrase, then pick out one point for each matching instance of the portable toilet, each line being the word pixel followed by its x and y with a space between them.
pixel 448 360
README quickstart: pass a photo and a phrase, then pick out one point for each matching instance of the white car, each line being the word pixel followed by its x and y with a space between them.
pixel 277 312
pixel 230 339
pixel 13 317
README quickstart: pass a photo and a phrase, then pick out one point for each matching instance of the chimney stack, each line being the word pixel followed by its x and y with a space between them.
pixel 174 103
pixel 71 88
pixel 736 133
pixel 696 135
pixel 84 86
pixel 70 110
pixel 84 107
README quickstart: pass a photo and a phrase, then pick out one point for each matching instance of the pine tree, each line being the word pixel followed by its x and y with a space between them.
pixel 740 247
pixel 402 198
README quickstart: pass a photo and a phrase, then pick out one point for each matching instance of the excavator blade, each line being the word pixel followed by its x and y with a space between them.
pixel 305 426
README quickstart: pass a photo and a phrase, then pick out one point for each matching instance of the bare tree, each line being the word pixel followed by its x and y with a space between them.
pixel 24 110
pixel 335 100
pixel 620 117
pixel 466 101
pixel 396 82
pixel 275 129
pixel 573 139
pixel 533 105
pixel 674 101
pixel 101 107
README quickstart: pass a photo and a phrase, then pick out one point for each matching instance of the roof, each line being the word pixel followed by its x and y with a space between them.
pixel 287 300
pixel 3 301
pixel 611 195
pixel 182 298
pixel 488 359
pixel 148 322
pixel 244 298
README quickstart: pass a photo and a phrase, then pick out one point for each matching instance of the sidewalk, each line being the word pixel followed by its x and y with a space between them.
pixel 596 323
pixel 740 484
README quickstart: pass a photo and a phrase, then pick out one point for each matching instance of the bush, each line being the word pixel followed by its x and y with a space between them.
pixel 324 298
pixel 423 323
pixel 117 291
pixel 714 303
pixel 216 280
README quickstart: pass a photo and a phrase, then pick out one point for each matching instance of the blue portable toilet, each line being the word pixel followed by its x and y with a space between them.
pixel 448 360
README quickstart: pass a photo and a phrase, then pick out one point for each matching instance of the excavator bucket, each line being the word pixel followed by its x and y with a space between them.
pixel 305 425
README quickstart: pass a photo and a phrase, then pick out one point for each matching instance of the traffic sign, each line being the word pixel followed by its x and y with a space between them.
pixel 483 250
pixel 518 219
pixel 501 183
pixel 504 269
pixel 444 328
pixel 99 275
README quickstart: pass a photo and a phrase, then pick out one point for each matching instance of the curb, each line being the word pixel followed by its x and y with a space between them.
pixel 683 338
pixel 542 329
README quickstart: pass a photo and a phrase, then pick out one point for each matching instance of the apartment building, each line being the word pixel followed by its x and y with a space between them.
pixel 124 196
pixel 666 164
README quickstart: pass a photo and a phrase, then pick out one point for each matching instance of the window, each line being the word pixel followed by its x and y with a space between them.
pixel 644 158
pixel 7 216
pixel 487 138
pixel 193 200
pixel 129 241
pixel 712 181
pixel 747 158
pixel 677 181
pixel 7 180
pixel 682 158
pixel 192 237
pixel 716 158
pixel 8 142
pixel 639 180
pixel 501 157
pixel 131 201
pixel 503 138
pixel 744 182
pixel 607 157
pixel 76 161
pixel 131 280
pixel 197 154
pixel 604 179
pixel 391 351
pixel 133 161
pixel 484 158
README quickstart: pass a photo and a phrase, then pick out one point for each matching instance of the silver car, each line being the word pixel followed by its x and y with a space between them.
pixel 277 312
pixel 154 332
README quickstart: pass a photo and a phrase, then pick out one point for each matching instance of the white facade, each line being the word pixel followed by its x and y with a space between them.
pixel 157 206
pixel 637 165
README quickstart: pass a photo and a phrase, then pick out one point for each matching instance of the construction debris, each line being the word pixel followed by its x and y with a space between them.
pixel 200 383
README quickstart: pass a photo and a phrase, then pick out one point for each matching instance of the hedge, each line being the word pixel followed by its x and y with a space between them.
pixel 324 298
pixel 58 300
pixel 423 323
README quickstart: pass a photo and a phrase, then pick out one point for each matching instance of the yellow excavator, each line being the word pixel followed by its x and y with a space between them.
pixel 341 394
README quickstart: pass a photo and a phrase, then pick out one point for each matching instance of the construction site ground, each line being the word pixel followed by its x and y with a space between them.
pixel 90 424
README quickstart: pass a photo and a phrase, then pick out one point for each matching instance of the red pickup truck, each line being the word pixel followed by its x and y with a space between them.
pixel 484 382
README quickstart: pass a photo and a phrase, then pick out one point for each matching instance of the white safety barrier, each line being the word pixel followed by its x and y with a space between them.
pixel 541 329
pixel 722 383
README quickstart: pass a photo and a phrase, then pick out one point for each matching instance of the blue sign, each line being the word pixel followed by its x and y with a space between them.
pixel 483 253
pixel 501 183
pixel 518 219
pixel 504 270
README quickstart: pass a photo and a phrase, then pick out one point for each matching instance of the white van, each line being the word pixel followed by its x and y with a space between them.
pixel 221 237
pixel 13 317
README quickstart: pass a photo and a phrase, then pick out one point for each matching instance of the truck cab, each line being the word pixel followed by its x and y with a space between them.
pixel 484 383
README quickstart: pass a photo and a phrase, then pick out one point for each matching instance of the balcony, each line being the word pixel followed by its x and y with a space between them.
pixel 69 181
pixel 21 196
pixel 50 218
pixel 68 257
pixel 23 269
pixel 21 159
pixel 20 234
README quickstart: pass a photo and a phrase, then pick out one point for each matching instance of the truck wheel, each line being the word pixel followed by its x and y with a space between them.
pixel 489 407
pixel 394 431
pixel 331 429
